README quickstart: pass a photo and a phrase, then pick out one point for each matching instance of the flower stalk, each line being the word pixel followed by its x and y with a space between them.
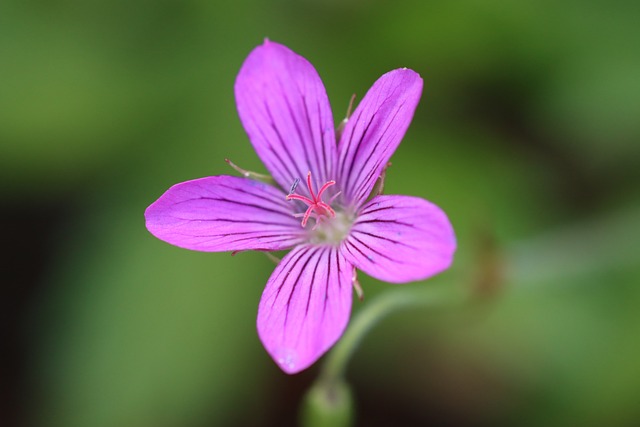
pixel 329 401
pixel 370 315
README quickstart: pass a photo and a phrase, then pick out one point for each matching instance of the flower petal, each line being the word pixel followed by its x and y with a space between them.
pixel 374 131
pixel 305 306
pixel 284 109
pixel 400 239
pixel 224 213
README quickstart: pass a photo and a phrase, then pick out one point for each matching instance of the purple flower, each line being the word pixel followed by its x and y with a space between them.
pixel 321 206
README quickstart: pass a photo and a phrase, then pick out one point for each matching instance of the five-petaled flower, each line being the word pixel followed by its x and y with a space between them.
pixel 322 206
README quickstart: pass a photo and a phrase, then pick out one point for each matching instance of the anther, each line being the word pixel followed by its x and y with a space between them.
pixel 294 186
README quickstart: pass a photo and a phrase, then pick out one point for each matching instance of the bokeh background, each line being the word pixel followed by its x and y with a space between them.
pixel 527 135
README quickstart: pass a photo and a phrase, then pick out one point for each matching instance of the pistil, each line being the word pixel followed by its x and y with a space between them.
pixel 315 205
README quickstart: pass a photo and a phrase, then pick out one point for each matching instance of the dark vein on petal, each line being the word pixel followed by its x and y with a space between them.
pixel 374 251
pixel 236 221
pixel 280 238
pixel 377 236
pixel 296 126
pixel 219 240
pixel 273 199
pixel 315 270
pixel 283 145
pixel 351 245
pixel 314 168
pixel 323 142
pixel 389 123
pixel 283 266
pixel 276 149
pixel 303 141
pixel 280 163
pixel 295 284
pixel 339 269
pixel 363 135
pixel 237 202
pixel 365 184
pixel 392 221
pixel 241 233
pixel 255 109
pixel 286 269
pixel 377 209
pixel 348 143
pixel 326 286
pixel 373 150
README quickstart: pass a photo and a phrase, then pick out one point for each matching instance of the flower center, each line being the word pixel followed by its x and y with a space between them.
pixel 330 226
pixel 315 205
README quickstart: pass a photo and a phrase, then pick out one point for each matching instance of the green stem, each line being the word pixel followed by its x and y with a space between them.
pixel 329 402
pixel 389 302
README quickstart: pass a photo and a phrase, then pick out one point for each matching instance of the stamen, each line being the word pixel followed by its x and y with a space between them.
pixel 294 186
pixel 316 208
pixel 301 198
pixel 324 187
pixel 313 196
pixel 307 214
pixel 326 207
pixel 334 197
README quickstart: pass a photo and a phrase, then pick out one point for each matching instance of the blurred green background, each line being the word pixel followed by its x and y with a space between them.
pixel 527 135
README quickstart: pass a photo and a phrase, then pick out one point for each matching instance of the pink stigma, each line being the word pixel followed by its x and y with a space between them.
pixel 315 204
